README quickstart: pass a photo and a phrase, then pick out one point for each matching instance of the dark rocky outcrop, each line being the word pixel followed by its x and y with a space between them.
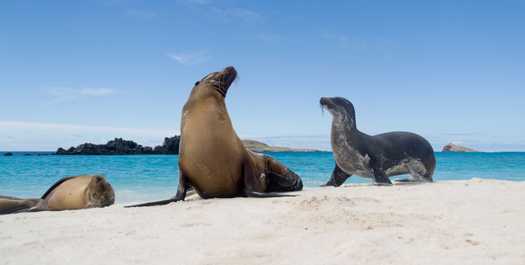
pixel 123 147
pixel 8 154
pixel 456 148
pixel 169 147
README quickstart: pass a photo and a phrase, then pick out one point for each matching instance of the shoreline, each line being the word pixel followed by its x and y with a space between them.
pixel 477 221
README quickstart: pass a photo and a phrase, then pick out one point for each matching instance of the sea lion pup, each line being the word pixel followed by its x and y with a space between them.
pixel 10 204
pixel 212 158
pixel 377 157
pixel 73 193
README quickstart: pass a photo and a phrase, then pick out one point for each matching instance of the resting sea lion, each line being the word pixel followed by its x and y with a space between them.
pixel 77 192
pixel 377 157
pixel 212 158
pixel 12 204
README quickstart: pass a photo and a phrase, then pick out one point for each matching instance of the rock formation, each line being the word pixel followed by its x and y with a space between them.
pixel 455 148
pixel 262 147
pixel 123 147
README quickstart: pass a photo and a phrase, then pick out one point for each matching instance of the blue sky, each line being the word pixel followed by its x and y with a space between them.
pixel 89 71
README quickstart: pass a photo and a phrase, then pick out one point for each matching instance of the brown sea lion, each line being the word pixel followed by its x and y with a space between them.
pixel 10 204
pixel 77 192
pixel 212 158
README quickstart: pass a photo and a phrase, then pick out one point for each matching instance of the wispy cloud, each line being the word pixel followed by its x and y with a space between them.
pixel 64 94
pixel 191 58
pixel 49 136
pixel 80 130
pixel 235 14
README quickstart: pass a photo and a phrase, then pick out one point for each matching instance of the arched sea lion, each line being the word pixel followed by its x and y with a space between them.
pixel 377 157
pixel 212 158
pixel 73 193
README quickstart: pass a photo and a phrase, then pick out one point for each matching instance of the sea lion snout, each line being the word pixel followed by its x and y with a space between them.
pixel 227 76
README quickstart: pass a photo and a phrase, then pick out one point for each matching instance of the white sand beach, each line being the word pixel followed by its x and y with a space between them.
pixel 450 222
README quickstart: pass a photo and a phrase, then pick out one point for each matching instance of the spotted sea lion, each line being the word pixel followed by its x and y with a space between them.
pixel 377 157
pixel 76 192
pixel 212 158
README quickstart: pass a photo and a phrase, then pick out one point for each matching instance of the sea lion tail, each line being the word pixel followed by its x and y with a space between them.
pixel 257 194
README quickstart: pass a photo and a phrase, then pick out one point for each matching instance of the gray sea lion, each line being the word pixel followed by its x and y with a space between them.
pixel 10 204
pixel 212 158
pixel 377 157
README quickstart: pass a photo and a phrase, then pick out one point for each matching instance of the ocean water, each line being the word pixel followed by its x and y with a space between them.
pixel 138 178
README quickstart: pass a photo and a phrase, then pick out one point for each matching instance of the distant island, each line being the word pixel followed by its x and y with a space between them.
pixel 456 148
pixel 262 147
pixel 170 146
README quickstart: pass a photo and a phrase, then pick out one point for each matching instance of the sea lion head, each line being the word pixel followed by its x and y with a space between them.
pixel 215 84
pixel 339 108
pixel 99 192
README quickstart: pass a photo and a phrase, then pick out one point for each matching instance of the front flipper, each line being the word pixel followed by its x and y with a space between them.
pixel 380 179
pixel 181 194
pixel 338 177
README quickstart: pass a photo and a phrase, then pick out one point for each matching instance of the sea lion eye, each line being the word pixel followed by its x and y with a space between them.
pixel 197 83
pixel 99 179
pixel 93 195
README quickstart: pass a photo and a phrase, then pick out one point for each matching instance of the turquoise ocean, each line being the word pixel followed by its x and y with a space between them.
pixel 152 177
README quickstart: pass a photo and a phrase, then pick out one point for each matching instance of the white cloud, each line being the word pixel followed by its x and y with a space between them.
pixel 68 93
pixel 189 58
pixel 78 130
pixel 96 92
pixel 35 136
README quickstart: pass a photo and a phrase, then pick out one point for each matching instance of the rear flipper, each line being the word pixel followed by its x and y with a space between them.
pixel 17 210
pixel 289 182
pixel 406 180
pixel 256 194
pixel 280 177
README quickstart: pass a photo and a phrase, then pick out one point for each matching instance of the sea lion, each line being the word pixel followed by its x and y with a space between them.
pixel 10 204
pixel 212 158
pixel 377 157
pixel 76 192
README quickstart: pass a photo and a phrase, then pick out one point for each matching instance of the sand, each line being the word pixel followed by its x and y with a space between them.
pixel 450 222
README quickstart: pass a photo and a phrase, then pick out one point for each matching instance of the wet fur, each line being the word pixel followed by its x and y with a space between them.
pixel 378 157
